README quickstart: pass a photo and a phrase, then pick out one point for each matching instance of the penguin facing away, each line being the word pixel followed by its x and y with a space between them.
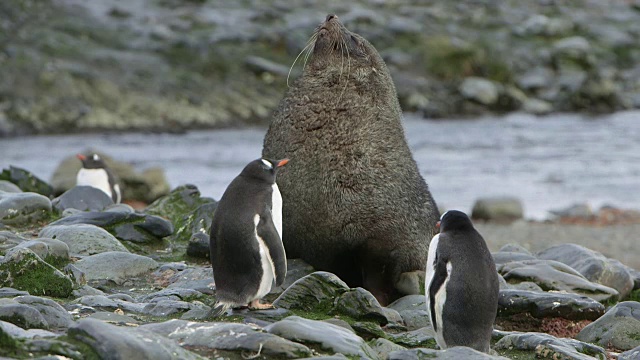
pixel 461 285
pixel 95 173
pixel 247 254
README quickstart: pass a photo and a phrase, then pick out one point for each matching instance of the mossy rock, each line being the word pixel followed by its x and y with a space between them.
pixel 26 181
pixel 24 270
pixel 178 204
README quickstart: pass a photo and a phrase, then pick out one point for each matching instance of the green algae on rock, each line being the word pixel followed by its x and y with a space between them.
pixel 22 269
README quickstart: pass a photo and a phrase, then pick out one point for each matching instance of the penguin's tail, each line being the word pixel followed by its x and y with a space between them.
pixel 218 309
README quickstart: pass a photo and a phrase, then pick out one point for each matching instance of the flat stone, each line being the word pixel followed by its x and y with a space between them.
pixel 592 265
pixel 84 198
pixel 314 292
pixel 23 208
pixel 22 269
pixel 501 209
pixel 117 342
pixel 54 314
pixel 196 278
pixel 548 304
pixel 454 353
pixel 550 347
pixel 619 327
pixel 228 337
pixel 554 275
pixel 83 239
pixel 116 266
pixel 24 316
pixel 134 227
pixel 328 336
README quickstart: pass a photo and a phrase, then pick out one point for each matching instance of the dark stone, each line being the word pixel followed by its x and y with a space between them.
pixel 115 342
pixel 54 314
pixel 228 337
pixel 7 292
pixel 23 316
pixel 84 198
pixel 26 181
pixel 138 228
pixel 592 265
pixel 549 347
pixel 547 304
pixel 619 327
pixel 199 245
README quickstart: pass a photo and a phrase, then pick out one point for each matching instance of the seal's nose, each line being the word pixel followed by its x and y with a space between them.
pixel 331 17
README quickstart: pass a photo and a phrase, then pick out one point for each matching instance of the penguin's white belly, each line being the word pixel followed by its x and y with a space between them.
pixel 268 269
pixel 276 209
pixel 441 294
pixel 96 178
pixel 440 299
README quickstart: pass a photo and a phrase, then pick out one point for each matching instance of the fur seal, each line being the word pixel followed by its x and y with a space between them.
pixel 355 203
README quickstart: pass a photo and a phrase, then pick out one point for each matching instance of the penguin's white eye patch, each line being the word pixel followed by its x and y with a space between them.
pixel 96 157
pixel 266 162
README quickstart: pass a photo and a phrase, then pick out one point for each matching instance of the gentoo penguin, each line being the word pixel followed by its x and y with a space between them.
pixel 245 245
pixel 95 173
pixel 461 284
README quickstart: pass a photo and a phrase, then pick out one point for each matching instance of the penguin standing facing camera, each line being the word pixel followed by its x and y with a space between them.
pixel 461 285
pixel 245 245
pixel 95 173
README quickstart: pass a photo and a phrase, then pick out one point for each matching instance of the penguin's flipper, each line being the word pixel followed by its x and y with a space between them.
pixel 267 231
pixel 439 277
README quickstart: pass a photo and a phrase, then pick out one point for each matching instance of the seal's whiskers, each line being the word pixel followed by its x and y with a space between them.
pixel 308 47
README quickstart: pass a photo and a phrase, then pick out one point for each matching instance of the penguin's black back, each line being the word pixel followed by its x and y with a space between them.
pixel 234 252
pixel 472 291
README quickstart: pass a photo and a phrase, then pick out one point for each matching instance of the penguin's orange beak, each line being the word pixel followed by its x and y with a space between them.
pixel 438 225
pixel 282 162
pixel 81 157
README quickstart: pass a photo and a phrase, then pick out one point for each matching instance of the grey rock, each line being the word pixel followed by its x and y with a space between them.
pixel 537 106
pixel 618 327
pixel 171 307
pixel 103 303
pixel 123 208
pixel 46 248
pixel 115 342
pixel 54 314
pixel 296 269
pixel 8 186
pixel 173 294
pixel 503 209
pixel 633 354
pixel 515 248
pixel 360 304
pixel 261 65
pixel 314 292
pixel 84 239
pixel 411 283
pixel 577 210
pixel 86 290
pixel 76 275
pixel 9 240
pixel 536 78
pixel 196 278
pixel 20 333
pixel 553 275
pixel 574 47
pixel 7 292
pixel 24 316
pixel 26 181
pixel 17 270
pixel 548 304
pixel 113 318
pixel 137 228
pixel 481 90
pixel 547 346
pixel 409 302
pixel 384 347
pixel 328 336
pixel 503 257
pixel 635 274
pixel 454 353
pixel 541 25
pixel 116 266
pixel 199 245
pixel 228 337
pixel 415 319
pixel 416 338
pixel 195 227
pixel 23 208
pixel 84 198
pixel 592 265
pixel 526 285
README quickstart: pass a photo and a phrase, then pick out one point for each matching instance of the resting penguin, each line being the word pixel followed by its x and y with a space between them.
pixel 246 238
pixel 95 173
pixel 461 284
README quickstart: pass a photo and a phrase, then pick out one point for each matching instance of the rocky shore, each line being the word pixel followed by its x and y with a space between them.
pixel 82 278
pixel 171 65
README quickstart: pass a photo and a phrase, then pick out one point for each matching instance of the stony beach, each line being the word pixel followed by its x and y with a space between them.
pixel 82 278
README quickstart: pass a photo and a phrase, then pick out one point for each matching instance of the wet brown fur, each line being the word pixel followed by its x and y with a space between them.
pixel 354 202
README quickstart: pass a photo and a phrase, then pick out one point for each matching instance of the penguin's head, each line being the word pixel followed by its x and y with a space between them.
pixel 454 220
pixel 264 169
pixel 91 161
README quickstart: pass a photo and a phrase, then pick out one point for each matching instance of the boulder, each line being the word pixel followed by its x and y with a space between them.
pixel 83 239
pixel 116 266
pixel 315 292
pixel 23 208
pixel 26 181
pixel 83 198
pixel 618 327
pixel 549 347
pixel 22 269
pixel 548 304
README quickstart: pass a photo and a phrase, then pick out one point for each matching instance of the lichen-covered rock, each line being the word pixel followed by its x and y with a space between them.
pixel 26 181
pixel 83 239
pixel 83 198
pixel 454 353
pixel 329 337
pixel 554 275
pixel 178 204
pixel 592 265
pixel 384 347
pixel 53 251
pixel 360 304
pixel 116 342
pixel 132 227
pixel 23 208
pixel 24 270
pixel 171 307
pixel 315 292
pixel 416 338
pixel 502 209
pixel 549 347
pixel 619 327
pixel 116 266
pixel 237 338
pixel 296 269
pixel 548 304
